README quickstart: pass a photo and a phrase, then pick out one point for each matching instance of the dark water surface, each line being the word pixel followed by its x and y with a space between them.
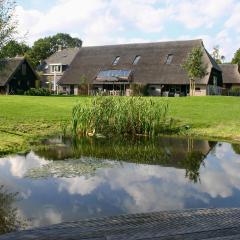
pixel 70 180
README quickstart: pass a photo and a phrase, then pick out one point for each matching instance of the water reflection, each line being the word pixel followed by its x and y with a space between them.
pixel 9 220
pixel 175 152
pixel 103 177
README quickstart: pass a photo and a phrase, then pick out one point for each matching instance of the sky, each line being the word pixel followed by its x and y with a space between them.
pixel 103 22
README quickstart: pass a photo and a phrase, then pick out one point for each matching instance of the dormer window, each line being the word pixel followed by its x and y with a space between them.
pixel 169 59
pixel 115 62
pixel 136 60
pixel 56 68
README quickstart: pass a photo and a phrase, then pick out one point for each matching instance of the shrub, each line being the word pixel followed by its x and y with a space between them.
pixel 122 115
pixel 138 89
pixel 38 92
pixel 235 91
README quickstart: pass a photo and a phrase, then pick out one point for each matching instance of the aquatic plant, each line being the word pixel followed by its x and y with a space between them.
pixel 187 154
pixel 122 116
pixel 68 168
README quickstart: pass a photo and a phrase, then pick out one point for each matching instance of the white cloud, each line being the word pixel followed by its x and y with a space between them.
pixel 100 22
pixel 195 14
pixel 80 185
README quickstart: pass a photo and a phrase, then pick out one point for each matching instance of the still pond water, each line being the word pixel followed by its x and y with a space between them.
pixel 70 180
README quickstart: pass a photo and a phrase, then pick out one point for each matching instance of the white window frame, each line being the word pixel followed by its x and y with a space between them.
pixel 169 59
pixel 53 68
pixel 116 61
pixel 136 60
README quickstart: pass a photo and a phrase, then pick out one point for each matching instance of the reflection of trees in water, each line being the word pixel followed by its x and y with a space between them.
pixel 192 164
pixel 9 220
pixel 236 148
pixel 172 152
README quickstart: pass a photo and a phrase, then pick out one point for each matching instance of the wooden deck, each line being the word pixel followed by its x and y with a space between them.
pixel 212 224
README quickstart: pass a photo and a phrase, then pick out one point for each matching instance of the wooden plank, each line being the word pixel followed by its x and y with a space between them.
pixel 214 224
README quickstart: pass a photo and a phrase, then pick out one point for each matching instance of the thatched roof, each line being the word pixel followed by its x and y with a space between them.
pixel 64 57
pixel 150 69
pixel 230 73
pixel 8 67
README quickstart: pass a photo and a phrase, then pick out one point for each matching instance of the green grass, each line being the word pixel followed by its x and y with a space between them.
pixel 24 119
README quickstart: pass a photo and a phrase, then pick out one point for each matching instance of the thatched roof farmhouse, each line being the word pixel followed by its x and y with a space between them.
pixel 155 65
pixel 231 75
pixel 54 67
pixel 16 76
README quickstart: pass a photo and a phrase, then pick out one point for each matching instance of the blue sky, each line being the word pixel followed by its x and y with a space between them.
pixel 99 22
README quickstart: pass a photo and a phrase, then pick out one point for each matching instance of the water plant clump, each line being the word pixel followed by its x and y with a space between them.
pixel 122 116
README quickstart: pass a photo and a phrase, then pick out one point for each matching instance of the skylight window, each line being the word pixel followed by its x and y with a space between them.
pixel 114 75
pixel 115 62
pixel 136 60
pixel 169 59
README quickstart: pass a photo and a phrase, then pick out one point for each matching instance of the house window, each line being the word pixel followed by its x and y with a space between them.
pixel 198 89
pixel 24 69
pixel 169 59
pixel 115 62
pixel 56 68
pixel 136 60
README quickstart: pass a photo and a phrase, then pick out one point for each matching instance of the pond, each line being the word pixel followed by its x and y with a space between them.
pixel 67 180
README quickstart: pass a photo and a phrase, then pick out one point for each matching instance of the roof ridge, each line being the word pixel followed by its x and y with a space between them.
pixel 146 43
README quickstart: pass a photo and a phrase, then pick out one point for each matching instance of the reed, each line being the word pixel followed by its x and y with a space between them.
pixel 122 116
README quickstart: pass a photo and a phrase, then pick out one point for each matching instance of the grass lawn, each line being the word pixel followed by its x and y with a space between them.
pixel 24 119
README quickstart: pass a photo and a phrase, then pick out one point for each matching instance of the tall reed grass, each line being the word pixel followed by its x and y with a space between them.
pixel 122 115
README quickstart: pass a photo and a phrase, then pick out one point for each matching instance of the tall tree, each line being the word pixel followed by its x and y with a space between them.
pixel 7 26
pixel 236 59
pixel 217 56
pixel 45 47
pixel 195 67
pixel 14 48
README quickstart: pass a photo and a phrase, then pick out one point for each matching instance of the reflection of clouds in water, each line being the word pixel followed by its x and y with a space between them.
pixel 153 187
pixel 42 217
pixel 221 174
pixel 137 188
pixel 18 165
pixel 79 185
pixel 13 169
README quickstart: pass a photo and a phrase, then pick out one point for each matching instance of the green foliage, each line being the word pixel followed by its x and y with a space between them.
pixel 38 92
pixel 9 220
pixel 192 164
pixel 13 48
pixel 194 64
pixel 235 91
pixel 45 47
pixel 122 116
pixel 216 55
pixel 84 86
pixel 138 89
pixel 236 148
pixel 7 25
pixel 24 118
pixel 236 58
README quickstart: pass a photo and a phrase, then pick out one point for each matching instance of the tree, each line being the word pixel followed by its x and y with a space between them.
pixel 194 67
pixel 7 26
pixel 45 47
pixel 236 59
pixel 217 56
pixel 13 48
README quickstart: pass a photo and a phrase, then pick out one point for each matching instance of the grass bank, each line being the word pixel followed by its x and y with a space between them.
pixel 24 119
